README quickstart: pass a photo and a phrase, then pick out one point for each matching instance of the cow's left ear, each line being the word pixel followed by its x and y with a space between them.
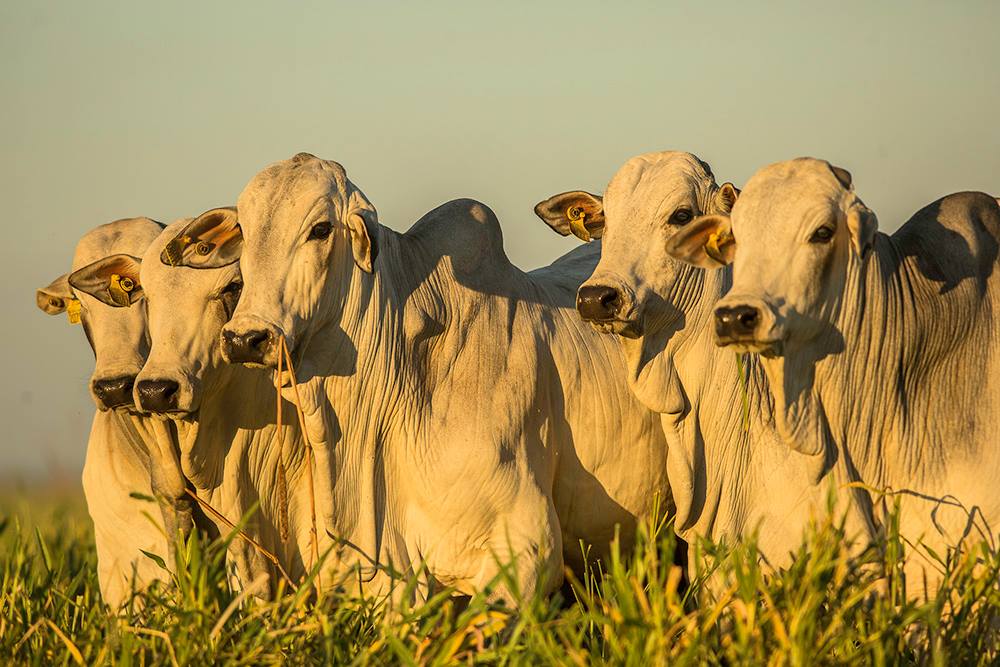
pixel 210 241
pixel 56 296
pixel 113 280
pixel 723 199
pixel 362 223
pixel 579 213
pixel 862 224
pixel 706 242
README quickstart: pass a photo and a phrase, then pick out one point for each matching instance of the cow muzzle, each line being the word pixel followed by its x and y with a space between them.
pixel 113 392
pixel 158 395
pixel 610 309
pixel 250 347
pixel 748 325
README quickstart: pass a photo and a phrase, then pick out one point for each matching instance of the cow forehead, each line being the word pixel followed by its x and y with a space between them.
pixel 289 190
pixel 648 182
pixel 783 197
pixel 130 236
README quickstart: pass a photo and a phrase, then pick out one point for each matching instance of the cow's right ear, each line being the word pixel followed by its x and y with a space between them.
pixel 113 280
pixel 706 242
pixel 579 213
pixel 55 297
pixel 210 241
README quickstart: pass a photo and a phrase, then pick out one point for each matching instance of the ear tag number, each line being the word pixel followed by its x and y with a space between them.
pixel 174 252
pixel 119 289
pixel 715 239
pixel 577 216
pixel 73 311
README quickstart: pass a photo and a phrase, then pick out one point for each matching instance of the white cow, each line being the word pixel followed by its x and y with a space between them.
pixel 223 417
pixel 463 414
pixel 882 351
pixel 729 471
pixel 117 460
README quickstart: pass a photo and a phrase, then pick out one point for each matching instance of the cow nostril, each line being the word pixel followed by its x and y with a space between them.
pixel 747 318
pixel 256 339
pixel 609 300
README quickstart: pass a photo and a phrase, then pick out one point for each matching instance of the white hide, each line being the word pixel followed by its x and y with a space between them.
pixel 882 350
pixel 465 416
pixel 729 471
pixel 229 447
pixel 117 459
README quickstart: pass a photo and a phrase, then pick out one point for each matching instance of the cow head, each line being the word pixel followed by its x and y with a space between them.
pixel 794 233
pixel 637 290
pixel 192 284
pixel 103 264
pixel 307 231
pixel 649 200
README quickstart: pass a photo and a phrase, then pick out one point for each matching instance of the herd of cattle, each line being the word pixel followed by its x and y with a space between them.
pixel 385 403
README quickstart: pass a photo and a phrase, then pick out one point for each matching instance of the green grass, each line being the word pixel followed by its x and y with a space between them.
pixel 825 609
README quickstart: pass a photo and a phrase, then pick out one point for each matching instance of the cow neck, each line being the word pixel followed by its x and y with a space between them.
pixel 233 457
pixel 878 391
pixel 352 404
pixel 712 448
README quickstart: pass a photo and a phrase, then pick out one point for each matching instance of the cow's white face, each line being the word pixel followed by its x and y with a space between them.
pixel 793 230
pixel 117 336
pixel 305 227
pixel 187 309
pixel 648 201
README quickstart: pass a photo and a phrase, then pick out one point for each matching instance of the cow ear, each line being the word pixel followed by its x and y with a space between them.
pixel 56 296
pixel 362 223
pixel 579 213
pixel 113 280
pixel 723 199
pixel 212 240
pixel 862 224
pixel 706 242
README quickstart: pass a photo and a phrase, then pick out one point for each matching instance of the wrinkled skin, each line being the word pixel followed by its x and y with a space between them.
pixel 117 460
pixel 400 344
pixel 881 350
pixel 229 447
pixel 731 475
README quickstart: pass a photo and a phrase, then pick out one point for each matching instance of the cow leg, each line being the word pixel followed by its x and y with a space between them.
pixel 112 471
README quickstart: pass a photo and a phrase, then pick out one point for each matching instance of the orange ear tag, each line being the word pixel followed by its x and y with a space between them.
pixel 715 239
pixel 577 216
pixel 73 311
pixel 119 289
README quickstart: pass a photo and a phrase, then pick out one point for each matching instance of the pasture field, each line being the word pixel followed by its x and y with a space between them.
pixel 635 610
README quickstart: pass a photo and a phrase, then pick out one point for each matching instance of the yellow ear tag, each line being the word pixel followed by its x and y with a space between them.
pixel 119 289
pixel 715 239
pixel 577 216
pixel 174 252
pixel 73 311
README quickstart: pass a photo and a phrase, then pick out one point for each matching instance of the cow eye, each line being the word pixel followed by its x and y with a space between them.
pixel 230 296
pixel 821 235
pixel 681 216
pixel 320 231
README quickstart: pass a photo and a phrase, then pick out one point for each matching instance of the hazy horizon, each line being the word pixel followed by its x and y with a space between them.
pixel 167 110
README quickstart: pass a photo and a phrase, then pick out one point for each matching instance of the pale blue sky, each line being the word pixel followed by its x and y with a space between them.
pixel 120 109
